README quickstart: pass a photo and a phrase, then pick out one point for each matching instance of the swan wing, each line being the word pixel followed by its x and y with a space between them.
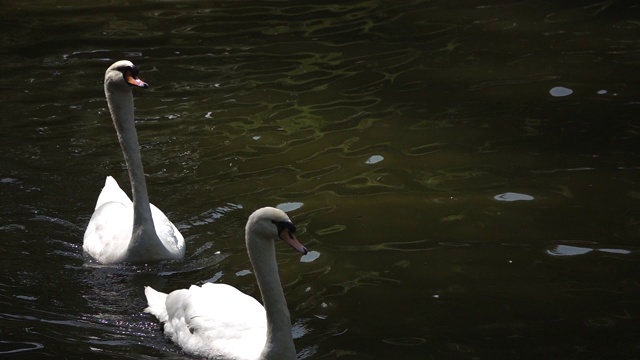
pixel 108 234
pixel 167 232
pixel 157 303
pixel 215 320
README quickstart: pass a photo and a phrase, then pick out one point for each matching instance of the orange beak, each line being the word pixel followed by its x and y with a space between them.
pixel 290 239
pixel 134 81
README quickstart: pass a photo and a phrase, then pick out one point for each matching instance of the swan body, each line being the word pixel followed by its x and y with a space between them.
pixel 122 230
pixel 217 321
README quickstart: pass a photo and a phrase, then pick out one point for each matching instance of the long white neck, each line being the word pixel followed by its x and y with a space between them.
pixel 143 237
pixel 279 343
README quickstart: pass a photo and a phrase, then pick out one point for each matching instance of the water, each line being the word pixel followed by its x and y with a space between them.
pixel 465 174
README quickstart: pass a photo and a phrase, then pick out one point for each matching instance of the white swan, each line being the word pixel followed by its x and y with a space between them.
pixel 121 230
pixel 218 321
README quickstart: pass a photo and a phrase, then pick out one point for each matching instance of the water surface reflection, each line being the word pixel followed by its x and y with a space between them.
pixel 465 175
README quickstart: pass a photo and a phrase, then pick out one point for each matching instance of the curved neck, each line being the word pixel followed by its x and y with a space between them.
pixel 279 344
pixel 121 108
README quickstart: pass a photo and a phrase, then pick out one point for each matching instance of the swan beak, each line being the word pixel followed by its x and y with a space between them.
pixel 290 239
pixel 134 81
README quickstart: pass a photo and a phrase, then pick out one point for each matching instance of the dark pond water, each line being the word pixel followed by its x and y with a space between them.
pixel 466 173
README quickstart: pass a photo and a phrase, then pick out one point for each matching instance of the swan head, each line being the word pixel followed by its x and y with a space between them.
pixel 122 75
pixel 271 223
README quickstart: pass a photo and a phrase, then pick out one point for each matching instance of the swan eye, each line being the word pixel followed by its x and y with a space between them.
pixel 130 74
pixel 133 70
pixel 281 225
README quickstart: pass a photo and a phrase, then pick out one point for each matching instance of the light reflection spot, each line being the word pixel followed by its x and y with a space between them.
pixel 567 250
pixel 560 91
pixel 311 256
pixel 243 273
pixel 511 196
pixel 289 206
pixel 616 251
pixel 374 159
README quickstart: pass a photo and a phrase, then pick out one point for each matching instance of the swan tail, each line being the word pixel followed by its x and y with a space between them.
pixel 157 303
pixel 112 192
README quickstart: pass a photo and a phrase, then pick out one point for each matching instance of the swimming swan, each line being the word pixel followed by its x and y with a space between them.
pixel 121 230
pixel 219 321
